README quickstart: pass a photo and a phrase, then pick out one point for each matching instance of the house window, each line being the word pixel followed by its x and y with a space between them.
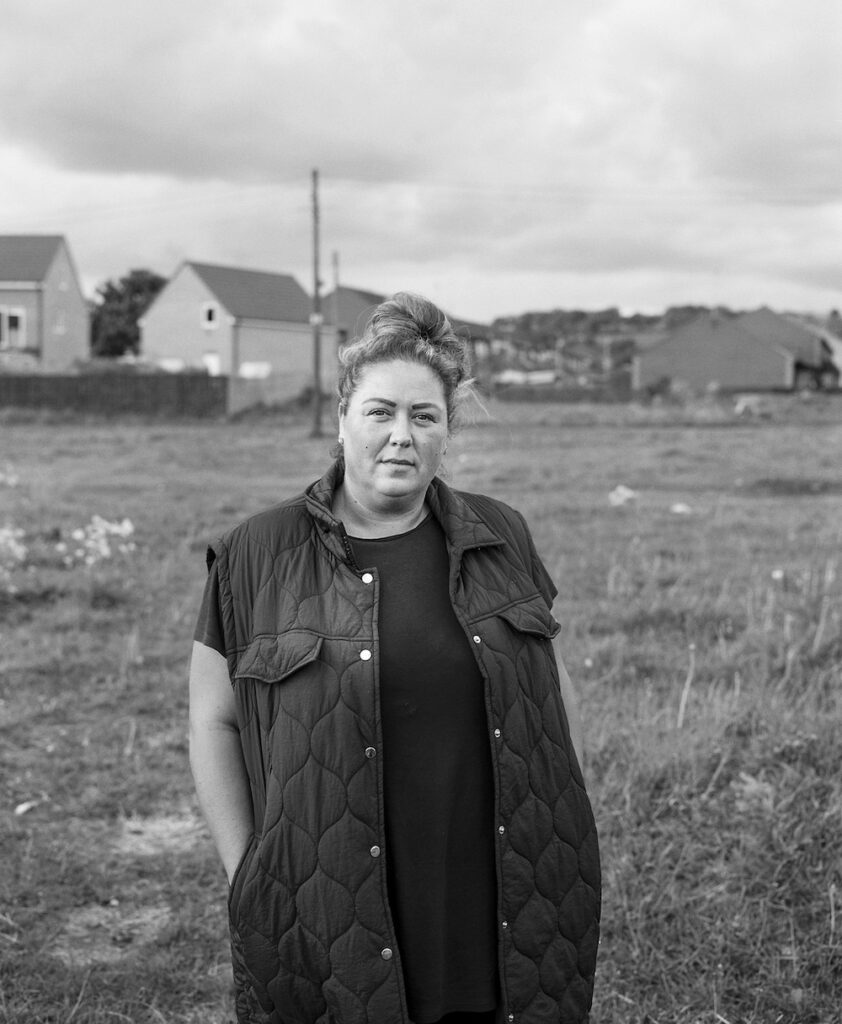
pixel 12 328
pixel 210 316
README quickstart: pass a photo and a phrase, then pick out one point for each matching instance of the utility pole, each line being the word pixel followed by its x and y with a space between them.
pixel 335 307
pixel 316 317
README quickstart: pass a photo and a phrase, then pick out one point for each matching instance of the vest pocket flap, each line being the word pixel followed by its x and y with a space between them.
pixel 271 659
pixel 531 617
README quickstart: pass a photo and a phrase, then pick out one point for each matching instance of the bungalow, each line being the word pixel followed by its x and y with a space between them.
pixel 755 351
pixel 44 320
pixel 234 322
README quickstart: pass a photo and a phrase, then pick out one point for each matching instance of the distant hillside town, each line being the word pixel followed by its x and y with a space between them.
pixel 247 324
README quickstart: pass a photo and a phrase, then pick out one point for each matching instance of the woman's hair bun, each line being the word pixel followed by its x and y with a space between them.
pixel 413 328
pixel 408 317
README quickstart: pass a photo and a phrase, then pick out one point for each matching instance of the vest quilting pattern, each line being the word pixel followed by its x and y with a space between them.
pixel 311 930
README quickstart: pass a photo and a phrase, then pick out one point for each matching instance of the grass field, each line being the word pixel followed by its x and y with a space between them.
pixel 703 626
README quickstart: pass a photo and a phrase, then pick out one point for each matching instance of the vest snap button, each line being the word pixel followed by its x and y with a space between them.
pixel 501 829
pixel 365 655
pixel 375 851
pixel 386 953
pixel 477 639
pixel 370 752
pixel 497 734
pixel 367 577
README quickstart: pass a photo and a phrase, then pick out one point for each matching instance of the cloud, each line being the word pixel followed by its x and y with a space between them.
pixel 256 91
pixel 598 144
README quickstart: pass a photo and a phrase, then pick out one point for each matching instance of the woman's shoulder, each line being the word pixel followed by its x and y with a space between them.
pixel 277 526
pixel 492 511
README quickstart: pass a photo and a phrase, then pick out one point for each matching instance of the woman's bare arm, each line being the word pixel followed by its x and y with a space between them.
pixel 216 757
pixel 571 706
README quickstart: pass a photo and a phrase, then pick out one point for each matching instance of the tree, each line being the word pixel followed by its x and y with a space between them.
pixel 114 318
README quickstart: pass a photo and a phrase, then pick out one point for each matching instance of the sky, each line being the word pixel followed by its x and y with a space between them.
pixel 497 157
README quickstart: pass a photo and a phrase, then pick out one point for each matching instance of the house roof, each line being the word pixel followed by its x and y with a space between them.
pixel 256 294
pixel 350 308
pixel 699 330
pixel 353 306
pixel 27 257
pixel 785 333
pixel 361 295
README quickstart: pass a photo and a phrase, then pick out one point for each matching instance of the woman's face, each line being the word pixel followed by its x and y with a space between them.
pixel 395 432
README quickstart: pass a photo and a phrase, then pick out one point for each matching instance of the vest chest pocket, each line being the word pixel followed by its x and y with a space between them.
pixel 272 659
pixel 531 617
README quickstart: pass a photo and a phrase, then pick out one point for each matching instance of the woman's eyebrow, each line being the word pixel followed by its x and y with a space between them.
pixel 391 404
pixel 381 401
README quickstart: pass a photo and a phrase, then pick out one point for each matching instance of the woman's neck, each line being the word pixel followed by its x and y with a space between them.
pixel 368 523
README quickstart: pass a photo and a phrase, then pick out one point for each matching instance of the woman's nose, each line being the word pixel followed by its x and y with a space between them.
pixel 401 435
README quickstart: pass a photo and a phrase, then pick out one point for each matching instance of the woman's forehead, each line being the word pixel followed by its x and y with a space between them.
pixel 399 380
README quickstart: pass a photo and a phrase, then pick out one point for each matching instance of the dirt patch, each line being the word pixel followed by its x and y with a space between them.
pixel 105 934
pixel 146 837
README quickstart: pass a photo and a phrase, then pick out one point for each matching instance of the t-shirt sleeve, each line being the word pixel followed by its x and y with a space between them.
pixel 209 626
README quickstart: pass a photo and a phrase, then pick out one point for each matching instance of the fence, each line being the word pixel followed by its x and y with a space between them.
pixel 163 395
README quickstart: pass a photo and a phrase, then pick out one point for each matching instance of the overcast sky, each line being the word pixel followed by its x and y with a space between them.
pixel 497 156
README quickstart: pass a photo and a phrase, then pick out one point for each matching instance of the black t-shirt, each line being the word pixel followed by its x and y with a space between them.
pixel 438 788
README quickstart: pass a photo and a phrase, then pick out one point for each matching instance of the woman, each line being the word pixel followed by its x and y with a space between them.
pixel 383 742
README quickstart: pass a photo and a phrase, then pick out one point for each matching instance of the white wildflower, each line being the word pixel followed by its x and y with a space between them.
pixel 8 477
pixel 621 495
pixel 12 548
pixel 97 541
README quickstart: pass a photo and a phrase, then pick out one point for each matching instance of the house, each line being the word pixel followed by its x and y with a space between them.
pixel 814 366
pixel 44 320
pixel 234 322
pixel 347 311
pixel 755 351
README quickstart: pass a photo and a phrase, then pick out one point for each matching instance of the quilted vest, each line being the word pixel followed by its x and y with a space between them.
pixel 313 939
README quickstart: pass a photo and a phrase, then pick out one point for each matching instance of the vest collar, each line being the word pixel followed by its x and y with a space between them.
pixel 462 525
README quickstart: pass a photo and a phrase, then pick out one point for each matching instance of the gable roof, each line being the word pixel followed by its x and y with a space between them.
pixel 256 294
pixel 361 295
pixel 784 333
pixel 27 258
pixel 701 329
pixel 352 308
